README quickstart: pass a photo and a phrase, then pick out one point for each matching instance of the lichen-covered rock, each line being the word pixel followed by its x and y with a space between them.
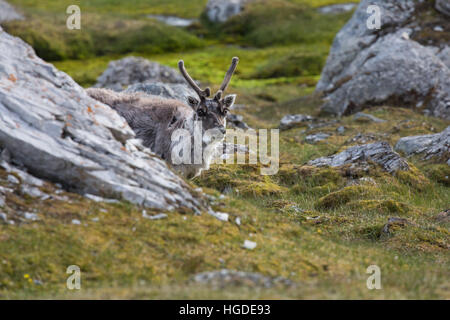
pixel 164 90
pixel 130 70
pixel 379 152
pixel 317 137
pixel 443 6
pixel 293 120
pixel 8 13
pixel 222 10
pixel 368 67
pixel 430 145
pixel 50 126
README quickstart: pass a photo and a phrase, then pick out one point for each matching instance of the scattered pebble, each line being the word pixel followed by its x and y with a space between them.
pixel 3 217
pixel 219 215
pixel 361 116
pixel 31 216
pixel 250 245
pixel 313 138
pixel 438 29
pixel 340 130
pixel 95 219
pixel 238 221
pixel 13 179
pixel 154 217
pixel 76 221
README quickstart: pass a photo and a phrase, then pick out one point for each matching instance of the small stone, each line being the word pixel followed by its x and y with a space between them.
pixel 31 216
pixel 443 217
pixel 250 245
pixel 13 179
pixel 3 217
pixel 395 221
pixel 154 217
pixel 293 120
pixel 219 215
pixel 438 29
pixel 340 130
pixel 361 116
pixel 95 219
pixel 313 138
pixel 238 221
pixel 76 221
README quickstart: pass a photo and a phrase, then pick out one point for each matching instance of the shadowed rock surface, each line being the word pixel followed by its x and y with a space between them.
pixel 430 145
pixel 130 70
pixel 50 126
pixel 8 13
pixel 443 6
pixel 371 67
pixel 164 90
pixel 379 152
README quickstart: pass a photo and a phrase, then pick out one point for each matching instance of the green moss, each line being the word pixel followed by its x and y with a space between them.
pixel 294 65
pixel 439 173
pixel 345 195
pixel 259 189
pixel 413 178
pixel 383 207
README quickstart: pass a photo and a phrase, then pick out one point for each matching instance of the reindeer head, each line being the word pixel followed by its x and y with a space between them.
pixel 212 112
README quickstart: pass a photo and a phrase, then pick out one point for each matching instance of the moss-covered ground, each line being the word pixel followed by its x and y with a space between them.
pixel 319 227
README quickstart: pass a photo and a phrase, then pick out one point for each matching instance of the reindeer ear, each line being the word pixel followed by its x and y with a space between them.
pixel 228 101
pixel 192 102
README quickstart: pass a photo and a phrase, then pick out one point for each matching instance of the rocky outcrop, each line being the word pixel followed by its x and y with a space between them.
pixel 8 13
pixel 371 67
pixel 131 70
pixel 443 6
pixel 50 126
pixel 236 121
pixel 378 152
pixel 222 10
pixel 430 145
pixel 164 90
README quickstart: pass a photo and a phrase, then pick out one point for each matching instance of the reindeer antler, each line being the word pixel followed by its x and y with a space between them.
pixel 200 92
pixel 226 81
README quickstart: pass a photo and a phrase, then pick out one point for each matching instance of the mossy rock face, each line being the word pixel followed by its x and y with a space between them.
pixel 345 195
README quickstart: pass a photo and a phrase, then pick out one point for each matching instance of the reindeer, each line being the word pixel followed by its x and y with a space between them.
pixel 154 119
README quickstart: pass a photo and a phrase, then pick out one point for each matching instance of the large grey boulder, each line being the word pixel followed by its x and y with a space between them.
pixel 130 70
pixel 8 13
pixel 50 126
pixel 443 6
pixel 164 90
pixel 430 145
pixel 222 10
pixel 371 67
pixel 378 152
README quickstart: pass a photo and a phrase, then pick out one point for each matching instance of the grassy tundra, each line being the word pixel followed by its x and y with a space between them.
pixel 325 247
